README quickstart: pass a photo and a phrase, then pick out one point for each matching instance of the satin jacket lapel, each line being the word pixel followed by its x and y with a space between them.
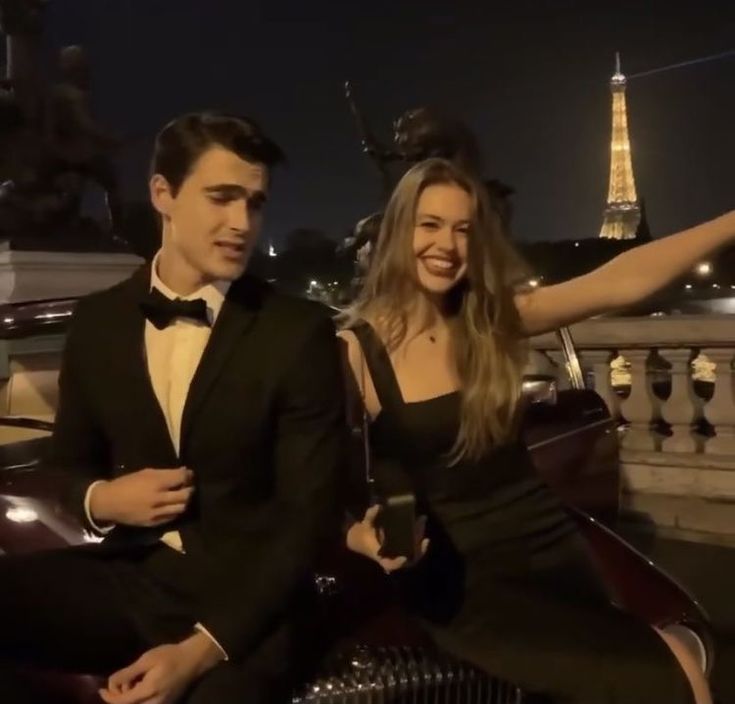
pixel 237 315
pixel 131 375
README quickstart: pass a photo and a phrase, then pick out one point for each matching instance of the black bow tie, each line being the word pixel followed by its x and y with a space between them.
pixel 162 311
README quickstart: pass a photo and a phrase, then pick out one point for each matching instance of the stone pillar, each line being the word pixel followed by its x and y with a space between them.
pixel 29 276
pixel 683 407
pixel 720 410
pixel 641 408
pixel 600 360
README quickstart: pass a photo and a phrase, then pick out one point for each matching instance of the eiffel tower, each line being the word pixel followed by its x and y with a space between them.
pixel 623 211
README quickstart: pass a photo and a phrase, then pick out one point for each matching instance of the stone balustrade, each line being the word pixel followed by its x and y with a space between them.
pixel 669 383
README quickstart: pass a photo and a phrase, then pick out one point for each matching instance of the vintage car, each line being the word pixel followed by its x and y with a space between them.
pixel 372 651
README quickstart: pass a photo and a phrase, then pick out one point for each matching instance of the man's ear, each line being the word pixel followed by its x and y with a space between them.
pixel 162 196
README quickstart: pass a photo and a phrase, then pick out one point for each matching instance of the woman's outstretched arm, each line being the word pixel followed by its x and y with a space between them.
pixel 627 279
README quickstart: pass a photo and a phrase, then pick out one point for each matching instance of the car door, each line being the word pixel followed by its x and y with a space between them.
pixel 572 437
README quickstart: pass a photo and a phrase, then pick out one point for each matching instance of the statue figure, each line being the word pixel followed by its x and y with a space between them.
pixel 77 143
pixel 50 145
pixel 421 134
pixel 418 134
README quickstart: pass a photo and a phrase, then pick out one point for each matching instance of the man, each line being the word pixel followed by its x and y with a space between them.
pixel 200 423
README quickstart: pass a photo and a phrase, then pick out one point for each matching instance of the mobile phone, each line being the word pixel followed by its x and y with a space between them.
pixel 397 523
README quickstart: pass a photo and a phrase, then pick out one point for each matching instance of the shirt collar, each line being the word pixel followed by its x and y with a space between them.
pixel 214 293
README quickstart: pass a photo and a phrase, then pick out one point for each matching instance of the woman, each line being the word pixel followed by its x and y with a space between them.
pixel 435 343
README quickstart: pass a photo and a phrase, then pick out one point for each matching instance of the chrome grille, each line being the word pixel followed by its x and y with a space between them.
pixel 404 676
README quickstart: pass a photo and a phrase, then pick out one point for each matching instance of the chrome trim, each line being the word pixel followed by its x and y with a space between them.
pixel 32 317
pixel 574 368
pixel 25 422
pixel 568 434
pixel 540 389
pixel 403 675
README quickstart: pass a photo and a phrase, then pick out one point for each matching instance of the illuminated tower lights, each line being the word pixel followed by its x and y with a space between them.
pixel 623 211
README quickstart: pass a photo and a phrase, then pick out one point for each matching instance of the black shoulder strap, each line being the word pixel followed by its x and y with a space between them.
pixel 379 365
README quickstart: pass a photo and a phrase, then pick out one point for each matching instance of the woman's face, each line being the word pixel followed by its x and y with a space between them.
pixel 443 217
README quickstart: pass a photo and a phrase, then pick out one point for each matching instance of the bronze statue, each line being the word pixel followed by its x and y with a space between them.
pixel 422 133
pixel 77 143
pixel 50 144
pixel 418 134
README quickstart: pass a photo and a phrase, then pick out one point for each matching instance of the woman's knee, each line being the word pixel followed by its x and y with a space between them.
pixel 689 663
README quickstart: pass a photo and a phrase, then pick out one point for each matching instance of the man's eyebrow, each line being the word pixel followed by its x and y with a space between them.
pixel 234 189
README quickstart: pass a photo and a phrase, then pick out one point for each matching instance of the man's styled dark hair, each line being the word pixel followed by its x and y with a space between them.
pixel 183 140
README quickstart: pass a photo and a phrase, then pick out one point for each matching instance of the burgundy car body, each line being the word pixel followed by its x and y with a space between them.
pixel 574 444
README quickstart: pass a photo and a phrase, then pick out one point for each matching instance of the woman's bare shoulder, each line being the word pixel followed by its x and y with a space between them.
pixel 350 347
pixel 347 334
pixel 359 382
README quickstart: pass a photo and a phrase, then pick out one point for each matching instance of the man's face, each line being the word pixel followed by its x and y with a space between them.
pixel 211 225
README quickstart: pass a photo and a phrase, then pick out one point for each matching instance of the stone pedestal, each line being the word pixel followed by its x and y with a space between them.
pixel 689 495
pixel 41 275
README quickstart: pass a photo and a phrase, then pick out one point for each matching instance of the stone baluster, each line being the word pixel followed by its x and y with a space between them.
pixel 600 360
pixel 641 408
pixel 720 410
pixel 683 407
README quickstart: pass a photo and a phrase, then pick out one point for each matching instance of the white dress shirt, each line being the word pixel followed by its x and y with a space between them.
pixel 172 357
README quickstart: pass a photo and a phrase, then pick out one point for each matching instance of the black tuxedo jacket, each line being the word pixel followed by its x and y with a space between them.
pixel 262 430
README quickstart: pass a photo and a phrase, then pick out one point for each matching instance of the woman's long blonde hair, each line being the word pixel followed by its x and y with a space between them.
pixel 488 348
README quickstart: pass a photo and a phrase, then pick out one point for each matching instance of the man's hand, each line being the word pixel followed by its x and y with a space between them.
pixel 364 538
pixel 148 497
pixel 161 675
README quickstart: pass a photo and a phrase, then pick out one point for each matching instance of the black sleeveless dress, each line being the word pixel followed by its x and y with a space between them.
pixel 507 583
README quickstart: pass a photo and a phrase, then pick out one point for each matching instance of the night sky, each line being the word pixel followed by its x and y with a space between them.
pixel 530 77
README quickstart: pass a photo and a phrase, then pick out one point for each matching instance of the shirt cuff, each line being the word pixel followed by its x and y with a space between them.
pixel 199 627
pixel 102 530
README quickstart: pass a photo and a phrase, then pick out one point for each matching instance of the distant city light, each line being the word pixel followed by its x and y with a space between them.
pixel 688 286
pixel 704 268
pixel 576 244
pixel 272 251
pixel 313 283
pixel 715 285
